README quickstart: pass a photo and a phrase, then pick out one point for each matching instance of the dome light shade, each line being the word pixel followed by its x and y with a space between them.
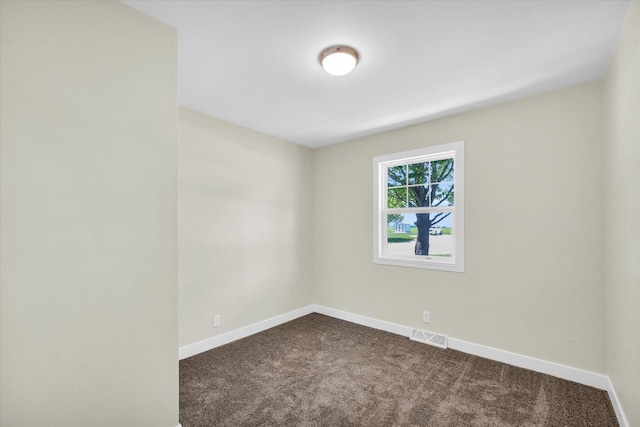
pixel 339 60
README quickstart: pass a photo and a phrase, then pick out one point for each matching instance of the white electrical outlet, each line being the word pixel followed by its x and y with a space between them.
pixel 216 320
pixel 426 317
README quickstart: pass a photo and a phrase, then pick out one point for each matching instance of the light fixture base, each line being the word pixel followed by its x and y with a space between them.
pixel 339 60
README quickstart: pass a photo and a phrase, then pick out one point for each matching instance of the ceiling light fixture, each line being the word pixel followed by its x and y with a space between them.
pixel 339 60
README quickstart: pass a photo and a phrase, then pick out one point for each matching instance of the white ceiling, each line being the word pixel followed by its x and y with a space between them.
pixel 255 63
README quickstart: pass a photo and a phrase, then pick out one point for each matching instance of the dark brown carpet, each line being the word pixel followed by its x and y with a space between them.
pixel 320 371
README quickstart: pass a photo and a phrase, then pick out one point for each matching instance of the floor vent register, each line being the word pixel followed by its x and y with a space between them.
pixel 425 337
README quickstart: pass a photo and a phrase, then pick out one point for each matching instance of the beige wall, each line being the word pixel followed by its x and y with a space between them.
pixel 89 240
pixel 245 226
pixel 622 216
pixel 533 280
pixel 89 216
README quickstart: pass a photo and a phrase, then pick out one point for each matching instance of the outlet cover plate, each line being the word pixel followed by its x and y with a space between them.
pixel 426 317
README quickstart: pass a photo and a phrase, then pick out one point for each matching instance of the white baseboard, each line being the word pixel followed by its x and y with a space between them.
pixel 382 325
pixel 236 334
pixel 581 376
pixel 550 368
pixel 615 402
pixel 565 372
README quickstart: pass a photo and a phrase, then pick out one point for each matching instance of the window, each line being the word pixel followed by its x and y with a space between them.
pixel 419 208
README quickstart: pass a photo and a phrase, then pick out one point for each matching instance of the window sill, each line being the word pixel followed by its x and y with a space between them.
pixel 398 262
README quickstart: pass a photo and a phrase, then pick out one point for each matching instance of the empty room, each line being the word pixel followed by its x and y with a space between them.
pixel 319 213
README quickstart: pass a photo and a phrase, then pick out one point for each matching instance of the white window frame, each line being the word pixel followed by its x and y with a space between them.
pixel 453 150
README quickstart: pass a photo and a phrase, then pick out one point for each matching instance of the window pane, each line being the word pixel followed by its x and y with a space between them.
pixel 418 173
pixel 396 176
pixel 401 228
pixel 419 196
pixel 429 234
pixel 397 197
pixel 442 170
pixel 442 194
